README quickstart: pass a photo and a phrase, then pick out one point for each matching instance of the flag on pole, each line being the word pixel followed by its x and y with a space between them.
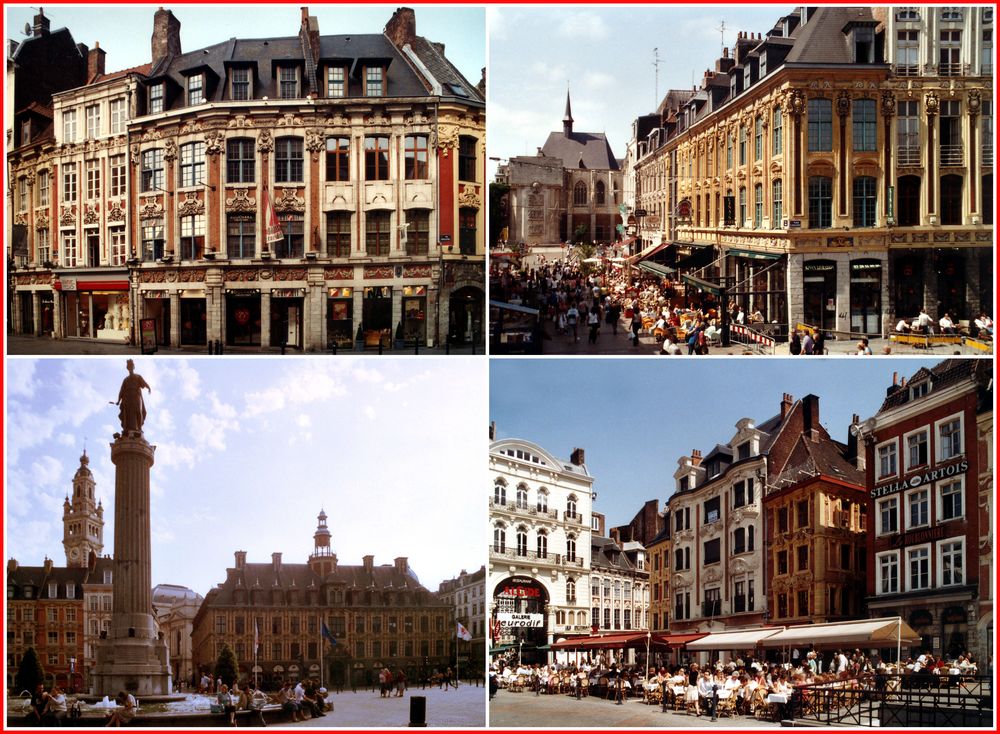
pixel 272 228
pixel 461 632
pixel 328 634
pixel 256 637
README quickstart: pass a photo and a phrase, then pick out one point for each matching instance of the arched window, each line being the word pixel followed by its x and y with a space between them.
pixel 571 507
pixel 543 500
pixel 500 493
pixel 739 540
pixel 499 538
pixel 599 193
pixel 750 538
pixel 522 541
pixel 571 548
pixel 580 194
pixel 570 590
pixel 522 497
pixel 542 544
pixel 908 201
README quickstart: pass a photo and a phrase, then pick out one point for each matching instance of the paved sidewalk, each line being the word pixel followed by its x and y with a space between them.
pixel 464 706
pixel 44 346
pixel 528 710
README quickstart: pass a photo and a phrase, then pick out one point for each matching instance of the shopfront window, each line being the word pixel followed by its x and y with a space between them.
pixel 340 317
pixel 415 313
pixel 866 296
pixel 820 286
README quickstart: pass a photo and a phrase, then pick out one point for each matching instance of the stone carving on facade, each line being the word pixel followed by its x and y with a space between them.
pixel 151 210
pixel 290 274
pixel 447 137
pixel 416 117
pixel 190 126
pixel 240 121
pixel 20 219
pixel 134 153
pixel 337 119
pixel 377 118
pixel 170 150
pixel 42 219
pixel 681 580
pixel 241 275
pixel 90 215
pixel 795 102
pixel 975 102
pixel 191 275
pixel 116 213
pixel 192 205
pixel 888 104
pixel 215 142
pixel 342 272
pixel 68 217
pixel 29 176
pixel 469 198
pixel 416 271
pixel 241 202
pixel 843 104
pixel 712 574
pixel 265 142
pixel 289 120
pixel 931 104
pixel 378 272
pixel 315 142
pixel 288 201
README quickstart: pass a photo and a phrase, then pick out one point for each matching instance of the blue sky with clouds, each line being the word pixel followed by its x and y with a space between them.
pixel 124 30
pixel 249 450
pixel 605 53
pixel 635 418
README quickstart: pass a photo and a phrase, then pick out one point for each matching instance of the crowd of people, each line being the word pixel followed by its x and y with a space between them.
pixel 923 324
pixel 743 684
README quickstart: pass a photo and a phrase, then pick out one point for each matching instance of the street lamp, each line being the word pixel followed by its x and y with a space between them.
pixel 520 643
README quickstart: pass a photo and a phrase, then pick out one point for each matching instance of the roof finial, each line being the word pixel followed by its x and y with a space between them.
pixel 568 117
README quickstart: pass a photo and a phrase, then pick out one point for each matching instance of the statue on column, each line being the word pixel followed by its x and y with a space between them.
pixel 132 409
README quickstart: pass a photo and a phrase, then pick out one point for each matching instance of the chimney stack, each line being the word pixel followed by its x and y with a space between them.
pixel 402 565
pixel 40 26
pixel 166 40
pixel 241 559
pixel 11 566
pixel 810 417
pixel 695 457
pixel 493 430
pixel 276 562
pixel 786 404
pixel 95 61
pixel 368 562
pixel 48 566
pixel 402 27
pixel 577 457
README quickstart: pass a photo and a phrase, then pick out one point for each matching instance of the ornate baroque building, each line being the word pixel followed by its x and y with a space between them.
pixel 466 594
pixel 379 616
pixel 298 191
pixel 540 556
pixel 837 170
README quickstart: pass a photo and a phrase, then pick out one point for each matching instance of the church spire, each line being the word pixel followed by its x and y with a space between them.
pixel 568 117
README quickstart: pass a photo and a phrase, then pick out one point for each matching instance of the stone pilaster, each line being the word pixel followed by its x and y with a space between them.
pixel 265 319
pixel 36 313
pixel 175 319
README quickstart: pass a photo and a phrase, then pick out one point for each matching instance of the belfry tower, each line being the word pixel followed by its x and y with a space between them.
pixel 83 519
pixel 322 560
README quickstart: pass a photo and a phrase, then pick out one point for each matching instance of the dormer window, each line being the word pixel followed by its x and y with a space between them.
pixel 25 132
pixel 743 451
pixel 288 82
pixel 374 81
pixel 763 64
pixel 949 15
pixel 156 98
pixel 240 85
pixel 863 43
pixel 53 590
pixel 919 390
pixel 196 89
pixel 907 14
pixel 685 484
pixel 336 81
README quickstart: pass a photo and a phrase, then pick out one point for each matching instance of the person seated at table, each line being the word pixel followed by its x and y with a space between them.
pixel 902 327
pixel 946 324
pixel 708 693
pixel 984 326
pixel 757 317
pixel 923 323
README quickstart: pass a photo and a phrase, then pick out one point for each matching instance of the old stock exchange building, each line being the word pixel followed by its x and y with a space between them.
pixel 309 191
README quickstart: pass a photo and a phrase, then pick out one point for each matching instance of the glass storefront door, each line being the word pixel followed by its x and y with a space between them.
pixel 159 309
pixel 819 283
pixel 866 296
pixel 340 318
pixel 377 315
pixel 415 314
pixel 909 286
pixel 27 313
pixel 243 319
pixel 194 318
pixel 286 322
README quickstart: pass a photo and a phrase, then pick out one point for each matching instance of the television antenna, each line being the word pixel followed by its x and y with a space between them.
pixel 722 33
pixel 656 66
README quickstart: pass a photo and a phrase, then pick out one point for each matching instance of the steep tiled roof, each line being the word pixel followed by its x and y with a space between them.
pixel 142 70
pixel 822 40
pixel 811 458
pixel 432 56
pixel 942 375
pixel 581 150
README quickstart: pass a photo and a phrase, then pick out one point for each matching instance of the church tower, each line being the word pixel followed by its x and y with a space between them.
pixel 323 560
pixel 83 518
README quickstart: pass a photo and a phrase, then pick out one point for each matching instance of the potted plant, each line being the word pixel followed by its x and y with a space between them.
pixel 400 342
pixel 359 339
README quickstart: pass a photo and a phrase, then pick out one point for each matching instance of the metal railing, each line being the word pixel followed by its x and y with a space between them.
pixel 952 155
pixel 908 155
pixel 556 559
pixel 987 154
pixel 906 69
pixel 952 69
pixel 896 700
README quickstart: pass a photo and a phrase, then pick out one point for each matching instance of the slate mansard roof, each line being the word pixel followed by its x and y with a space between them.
pixel 581 150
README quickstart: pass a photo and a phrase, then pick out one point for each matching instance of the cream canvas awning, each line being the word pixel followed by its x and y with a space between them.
pixel 863 633
pixel 736 640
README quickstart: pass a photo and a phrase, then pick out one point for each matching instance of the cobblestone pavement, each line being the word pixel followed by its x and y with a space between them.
pixel 43 346
pixel 528 710
pixel 464 706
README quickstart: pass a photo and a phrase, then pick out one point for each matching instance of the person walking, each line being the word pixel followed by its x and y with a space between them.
pixel 594 322
pixel 636 325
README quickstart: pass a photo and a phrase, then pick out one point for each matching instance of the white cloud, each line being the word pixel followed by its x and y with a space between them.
pixel 66 439
pixel 303 421
pixel 584 25
pixel 21 378
pixel 597 80
pixel 370 412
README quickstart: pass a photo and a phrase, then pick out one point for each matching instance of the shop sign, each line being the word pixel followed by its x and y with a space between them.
pixel 287 293
pixel 68 284
pixel 147 333
pixel 415 290
pixel 514 619
pixel 793 224
pixel 381 291
pixel 154 295
pixel 919 480
pixel 341 292
pixel 916 537
pixel 520 587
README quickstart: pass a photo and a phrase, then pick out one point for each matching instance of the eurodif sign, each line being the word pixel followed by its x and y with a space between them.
pixel 919 480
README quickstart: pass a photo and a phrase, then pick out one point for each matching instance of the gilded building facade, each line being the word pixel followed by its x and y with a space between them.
pixel 838 170
pixel 306 192
pixel 378 616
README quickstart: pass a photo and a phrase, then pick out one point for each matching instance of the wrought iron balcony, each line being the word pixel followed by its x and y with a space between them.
pixel 515 554
pixel 988 154
pixel 952 155
pixel 952 69
pixel 906 69
pixel 908 155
